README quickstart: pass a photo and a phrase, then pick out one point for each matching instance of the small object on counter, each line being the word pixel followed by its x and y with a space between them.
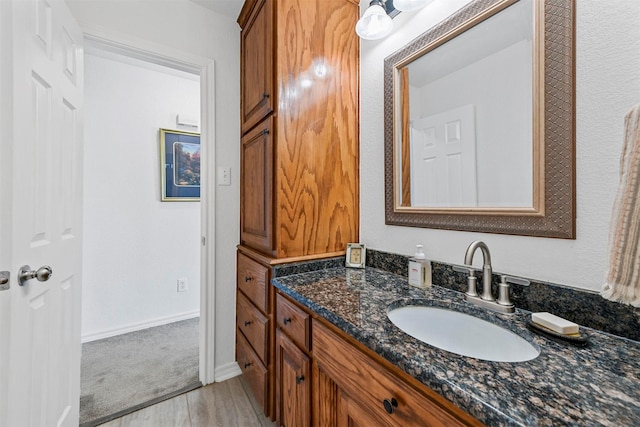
pixel 356 255
pixel 555 323
pixel 419 269
pixel 578 339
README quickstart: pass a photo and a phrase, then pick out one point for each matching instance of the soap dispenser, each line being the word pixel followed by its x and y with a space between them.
pixel 419 269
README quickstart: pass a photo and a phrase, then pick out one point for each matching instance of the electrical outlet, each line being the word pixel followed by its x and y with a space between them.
pixel 183 285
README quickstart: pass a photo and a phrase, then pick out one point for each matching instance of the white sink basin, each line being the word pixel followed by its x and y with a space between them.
pixel 462 334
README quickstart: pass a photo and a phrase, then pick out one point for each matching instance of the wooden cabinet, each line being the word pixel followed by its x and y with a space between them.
pixel 299 184
pixel 256 87
pixel 254 329
pixel 355 388
pixel 299 169
pixel 256 188
pixel 293 383
pixel 294 321
pixel 253 370
pixel 293 365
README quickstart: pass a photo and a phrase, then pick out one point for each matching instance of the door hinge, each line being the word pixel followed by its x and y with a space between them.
pixel 204 241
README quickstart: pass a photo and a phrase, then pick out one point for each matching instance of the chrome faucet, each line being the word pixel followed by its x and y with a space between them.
pixel 503 304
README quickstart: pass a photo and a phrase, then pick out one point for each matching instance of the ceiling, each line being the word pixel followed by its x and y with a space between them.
pixel 230 8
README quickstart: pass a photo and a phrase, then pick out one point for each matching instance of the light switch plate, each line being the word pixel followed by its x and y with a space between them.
pixel 224 175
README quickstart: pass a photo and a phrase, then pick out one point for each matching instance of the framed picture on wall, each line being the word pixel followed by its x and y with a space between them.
pixel 179 166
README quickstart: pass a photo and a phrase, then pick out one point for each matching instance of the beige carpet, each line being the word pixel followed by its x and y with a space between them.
pixel 125 373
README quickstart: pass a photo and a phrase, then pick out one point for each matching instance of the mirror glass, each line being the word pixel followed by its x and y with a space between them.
pixel 470 117
pixel 479 122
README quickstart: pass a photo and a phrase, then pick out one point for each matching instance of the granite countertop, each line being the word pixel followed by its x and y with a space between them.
pixel 598 385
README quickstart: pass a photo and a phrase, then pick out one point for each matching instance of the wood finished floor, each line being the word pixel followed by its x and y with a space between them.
pixel 228 403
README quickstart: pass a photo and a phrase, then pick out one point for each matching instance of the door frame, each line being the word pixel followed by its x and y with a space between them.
pixel 204 67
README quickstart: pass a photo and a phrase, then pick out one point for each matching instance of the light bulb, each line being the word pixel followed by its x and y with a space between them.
pixel 374 24
pixel 410 5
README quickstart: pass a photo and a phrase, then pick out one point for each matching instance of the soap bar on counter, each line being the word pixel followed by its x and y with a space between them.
pixel 555 323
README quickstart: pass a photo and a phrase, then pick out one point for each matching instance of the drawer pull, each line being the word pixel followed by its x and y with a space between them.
pixel 247 322
pixel 248 278
pixel 286 320
pixel 246 365
pixel 299 379
pixel 390 405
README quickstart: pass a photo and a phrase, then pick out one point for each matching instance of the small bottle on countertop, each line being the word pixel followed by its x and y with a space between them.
pixel 419 269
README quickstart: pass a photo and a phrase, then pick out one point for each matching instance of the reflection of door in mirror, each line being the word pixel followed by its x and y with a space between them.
pixel 486 160
pixel 443 159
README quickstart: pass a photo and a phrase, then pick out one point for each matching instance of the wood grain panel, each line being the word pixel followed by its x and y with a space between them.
pixel 253 370
pixel 257 97
pixel 256 188
pixel 253 280
pixel 172 412
pixel 294 321
pixel 293 384
pixel 222 404
pixel 361 377
pixel 325 400
pixel 255 327
pixel 317 151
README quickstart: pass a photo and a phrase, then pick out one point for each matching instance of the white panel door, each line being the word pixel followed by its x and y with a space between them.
pixel 43 366
pixel 443 159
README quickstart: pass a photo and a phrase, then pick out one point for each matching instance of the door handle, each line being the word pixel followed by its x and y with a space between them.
pixel 4 280
pixel 26 273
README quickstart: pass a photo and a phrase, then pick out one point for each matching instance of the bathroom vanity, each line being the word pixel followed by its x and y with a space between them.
pixel 333 332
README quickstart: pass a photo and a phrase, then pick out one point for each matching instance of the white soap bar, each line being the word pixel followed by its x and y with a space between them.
pixel 555 323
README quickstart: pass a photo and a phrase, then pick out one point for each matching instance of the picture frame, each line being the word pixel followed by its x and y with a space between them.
pixel 356 255
pixel 179 166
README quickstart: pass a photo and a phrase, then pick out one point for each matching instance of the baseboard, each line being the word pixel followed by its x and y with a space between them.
pixel 227 371
pixel 132 327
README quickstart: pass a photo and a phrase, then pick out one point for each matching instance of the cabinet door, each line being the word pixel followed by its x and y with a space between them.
pixel 382 392
pixel 256 188
pixel 257 65
pixel 352 413
pixel 293 384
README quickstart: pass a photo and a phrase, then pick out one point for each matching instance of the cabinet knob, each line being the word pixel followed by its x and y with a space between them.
pixel 248 278
pixel 247 322
pixel 265 95
pixel 246 365
pixel 390 405
pixel 299 379
pixel 286 320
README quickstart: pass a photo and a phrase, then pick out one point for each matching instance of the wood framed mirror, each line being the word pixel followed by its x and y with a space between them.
pixel 479 122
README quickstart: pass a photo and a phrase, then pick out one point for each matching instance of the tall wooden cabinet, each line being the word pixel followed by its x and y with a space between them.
pixel 299 174
pixel 299 183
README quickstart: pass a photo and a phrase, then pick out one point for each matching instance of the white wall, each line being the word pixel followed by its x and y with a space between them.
pixel 135 246
pixel 608 85
pixel 183 25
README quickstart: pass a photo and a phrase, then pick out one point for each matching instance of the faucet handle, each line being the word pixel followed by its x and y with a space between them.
pixel 465 269
pixel 503 288
pixel 515 280
pixel 472 280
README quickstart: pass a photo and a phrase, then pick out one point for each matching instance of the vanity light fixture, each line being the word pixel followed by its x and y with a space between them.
pixel 410 5
pixel 375 23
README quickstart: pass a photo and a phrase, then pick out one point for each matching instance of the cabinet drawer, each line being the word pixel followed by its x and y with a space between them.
pixel 252 281
pixel 254 325
pixel 253 370
pixel 294 321
pixel 363 378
